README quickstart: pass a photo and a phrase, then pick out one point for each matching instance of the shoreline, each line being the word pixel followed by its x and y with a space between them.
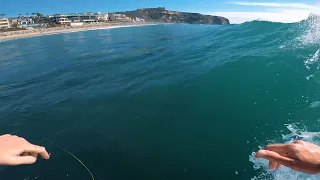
pixel 59 30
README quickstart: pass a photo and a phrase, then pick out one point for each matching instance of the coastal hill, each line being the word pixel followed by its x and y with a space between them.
pixel 166 16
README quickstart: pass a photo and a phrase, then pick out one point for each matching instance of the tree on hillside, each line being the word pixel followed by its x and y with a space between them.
pixel 39 14
pixel 37 17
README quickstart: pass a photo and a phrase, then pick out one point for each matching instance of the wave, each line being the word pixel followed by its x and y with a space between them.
pixel 267 56
pixel 301 41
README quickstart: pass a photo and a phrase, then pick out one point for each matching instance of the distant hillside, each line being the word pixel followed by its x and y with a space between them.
pixel 163 15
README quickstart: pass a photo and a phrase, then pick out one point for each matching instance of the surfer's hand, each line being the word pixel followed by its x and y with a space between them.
pixel 300 156
pixel 15 150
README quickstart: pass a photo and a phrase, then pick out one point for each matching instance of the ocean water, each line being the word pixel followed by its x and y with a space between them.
pixel 163 102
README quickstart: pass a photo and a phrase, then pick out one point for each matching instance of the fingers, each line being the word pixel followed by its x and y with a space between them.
pixel 279 148
pixel 25 154
pixel 26 160
pixel 5 136
pixel 34 154
pixel 23 160
pixel 273 156
pixel 34 150
pixel 272 164
pixel 298 142
pixel 281 154
pixel 18 150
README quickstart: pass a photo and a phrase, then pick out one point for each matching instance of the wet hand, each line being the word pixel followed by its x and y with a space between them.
pixel 300 156
pixel 15 150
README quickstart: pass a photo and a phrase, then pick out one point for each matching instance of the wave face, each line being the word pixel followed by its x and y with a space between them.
pixel 164 101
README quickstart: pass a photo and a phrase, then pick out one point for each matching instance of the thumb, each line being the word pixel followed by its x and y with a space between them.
pixel 273 156
pixel 23 160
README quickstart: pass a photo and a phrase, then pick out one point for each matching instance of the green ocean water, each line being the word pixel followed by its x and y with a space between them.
pixel 163 102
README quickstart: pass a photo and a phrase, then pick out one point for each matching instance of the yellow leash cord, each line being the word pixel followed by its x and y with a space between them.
pixel 72 156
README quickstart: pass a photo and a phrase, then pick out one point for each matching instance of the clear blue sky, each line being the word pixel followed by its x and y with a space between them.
pixel 14 7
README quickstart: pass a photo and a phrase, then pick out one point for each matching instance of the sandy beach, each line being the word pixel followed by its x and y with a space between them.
pixel 4 36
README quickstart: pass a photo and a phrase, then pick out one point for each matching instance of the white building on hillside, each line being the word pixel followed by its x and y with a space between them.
pixel 4 23
pixel 64 20
pixel 139 19
pixel 25 22
pixel 103 17
pixel 67 19
pixel 13 21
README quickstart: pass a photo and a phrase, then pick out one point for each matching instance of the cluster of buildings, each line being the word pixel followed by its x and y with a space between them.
pixel 77 19
pixel 16 22
pixel 69 19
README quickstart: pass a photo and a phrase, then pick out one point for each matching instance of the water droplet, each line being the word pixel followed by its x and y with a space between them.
pixel 236 172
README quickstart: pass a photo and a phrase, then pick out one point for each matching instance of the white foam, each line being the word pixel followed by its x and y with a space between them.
pixel 285 173
pixel 311 38
pixel 315 104
pixel 312 64
pixel 314 59
pixel 312 34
